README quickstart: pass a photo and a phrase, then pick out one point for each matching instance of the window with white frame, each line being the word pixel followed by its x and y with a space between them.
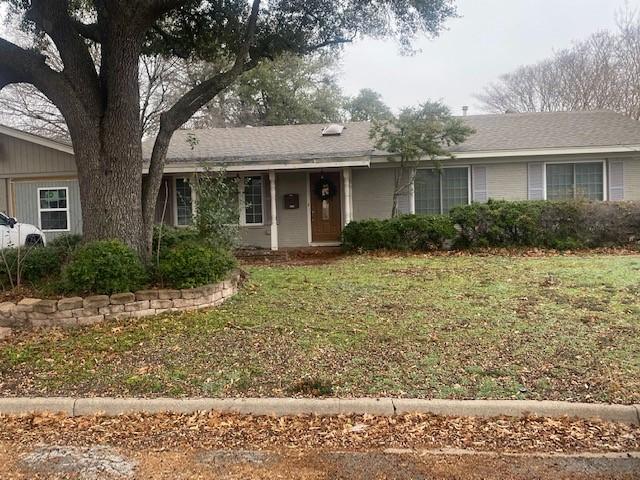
pixel 253 205
pixel 575 180
pixel 438 191
pixel 53 208
pixel 184 202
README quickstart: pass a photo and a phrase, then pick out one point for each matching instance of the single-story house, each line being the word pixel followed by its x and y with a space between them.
pixel 300 184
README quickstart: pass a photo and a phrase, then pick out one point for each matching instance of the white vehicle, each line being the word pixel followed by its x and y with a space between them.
pixel 13 233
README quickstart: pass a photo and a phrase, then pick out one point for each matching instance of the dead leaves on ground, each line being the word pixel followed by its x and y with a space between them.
pixel 214 430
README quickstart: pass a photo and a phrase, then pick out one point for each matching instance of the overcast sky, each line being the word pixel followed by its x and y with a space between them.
pixel 492 37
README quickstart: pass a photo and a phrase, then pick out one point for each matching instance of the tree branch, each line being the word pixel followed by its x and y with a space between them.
pixel 19 65
pixel 187 106
pixel 53 18
pixel 90 31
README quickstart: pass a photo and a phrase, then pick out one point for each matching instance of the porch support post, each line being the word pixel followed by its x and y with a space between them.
pixel 348 197
pixel 274 210
pixel 412 194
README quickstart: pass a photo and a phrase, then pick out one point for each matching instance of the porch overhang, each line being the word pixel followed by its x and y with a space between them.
pixel 245 166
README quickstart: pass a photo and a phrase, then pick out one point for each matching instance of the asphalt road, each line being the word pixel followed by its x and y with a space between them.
pixel 96 462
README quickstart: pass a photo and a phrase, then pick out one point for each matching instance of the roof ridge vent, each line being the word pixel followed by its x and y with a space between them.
pixel 332 130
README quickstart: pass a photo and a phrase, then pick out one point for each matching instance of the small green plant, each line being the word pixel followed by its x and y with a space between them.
pixel 192 263
pixel 103 267
pixel 217 209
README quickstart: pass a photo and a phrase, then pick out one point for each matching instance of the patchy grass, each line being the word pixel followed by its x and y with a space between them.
pixel 444 326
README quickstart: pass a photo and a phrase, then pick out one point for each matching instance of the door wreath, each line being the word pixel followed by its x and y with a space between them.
pixel 325 188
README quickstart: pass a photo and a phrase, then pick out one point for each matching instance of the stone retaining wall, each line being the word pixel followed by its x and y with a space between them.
pixel 77 311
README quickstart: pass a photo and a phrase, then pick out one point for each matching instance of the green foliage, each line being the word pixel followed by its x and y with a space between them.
pixel 424 131
pixel 289 90
pixel 544 224
pixel 217 211
pixel 406 232
pixel 169 236
pixel 561 225
pixel 36 264
pixel 65 244
pixel 103 267
pixel 191 264
pixel 367 106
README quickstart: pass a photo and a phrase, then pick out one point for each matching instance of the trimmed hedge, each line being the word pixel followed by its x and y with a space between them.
pixel 407 232
pixel 103 267
pixel 193 263
pixel 545 224
pixel 560 225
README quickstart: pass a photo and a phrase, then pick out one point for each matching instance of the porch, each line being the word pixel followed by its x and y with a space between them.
pixel 285 209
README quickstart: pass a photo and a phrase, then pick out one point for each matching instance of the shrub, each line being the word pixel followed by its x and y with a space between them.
pixel 192 263
pixel 171 236
pixel 407 232
pixel 103 267
pixel 560 225
pixel 65 244
pixel 36 264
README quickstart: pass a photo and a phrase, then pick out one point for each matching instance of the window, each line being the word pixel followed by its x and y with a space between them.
pixel 438 192
pixel 53 208
pixel 253 205
pixel 575 180
pixel 184 202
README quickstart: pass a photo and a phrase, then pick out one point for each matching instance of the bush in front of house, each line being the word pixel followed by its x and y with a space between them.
pixel 406 232
pixel 34 265
pixel 168 236
pixel 65 244
pixel 559 225
pixel 103 267
pixel 548 224
pixel 194 263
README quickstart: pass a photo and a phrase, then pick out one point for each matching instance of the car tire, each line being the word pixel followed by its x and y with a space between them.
pixel 33 240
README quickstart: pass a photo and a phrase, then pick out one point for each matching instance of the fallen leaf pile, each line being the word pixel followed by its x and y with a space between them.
pixel 213 430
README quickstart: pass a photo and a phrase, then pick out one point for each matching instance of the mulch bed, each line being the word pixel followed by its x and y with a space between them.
pixel 354 432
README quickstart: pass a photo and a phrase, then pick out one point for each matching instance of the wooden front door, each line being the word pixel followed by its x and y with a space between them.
pixel 326 222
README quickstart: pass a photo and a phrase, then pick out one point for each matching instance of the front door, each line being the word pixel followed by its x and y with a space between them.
pixel 325 207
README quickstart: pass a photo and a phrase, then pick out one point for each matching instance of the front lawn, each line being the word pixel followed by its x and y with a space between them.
pixel 564 328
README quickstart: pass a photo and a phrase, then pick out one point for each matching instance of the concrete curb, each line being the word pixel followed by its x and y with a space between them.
pixel 629 414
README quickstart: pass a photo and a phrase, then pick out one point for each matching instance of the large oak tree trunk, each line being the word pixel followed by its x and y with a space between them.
pixel 109 150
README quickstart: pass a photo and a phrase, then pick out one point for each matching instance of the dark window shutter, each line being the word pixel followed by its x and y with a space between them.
pixel 616 180
pixel 535 181
pixel 479 183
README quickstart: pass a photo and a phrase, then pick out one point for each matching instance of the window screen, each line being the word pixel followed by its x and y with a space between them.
pixel 253 200
pixel 438 191
pixel 575 180
pixel 54 209
pixel 184 202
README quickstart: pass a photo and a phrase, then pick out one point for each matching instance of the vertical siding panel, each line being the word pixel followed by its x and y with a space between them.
pixel 26 194
pixel 479 183
pixel 616 180
pixel 535 181
pixel 372 192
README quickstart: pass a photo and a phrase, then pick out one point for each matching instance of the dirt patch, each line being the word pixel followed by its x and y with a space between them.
pixel 82 462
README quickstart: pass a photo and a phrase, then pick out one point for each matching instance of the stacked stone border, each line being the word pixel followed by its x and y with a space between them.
pixel 78 311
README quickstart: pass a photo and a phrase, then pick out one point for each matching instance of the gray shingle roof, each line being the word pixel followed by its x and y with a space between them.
pixel 514 131
pixel 287 142
pixel 493 133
